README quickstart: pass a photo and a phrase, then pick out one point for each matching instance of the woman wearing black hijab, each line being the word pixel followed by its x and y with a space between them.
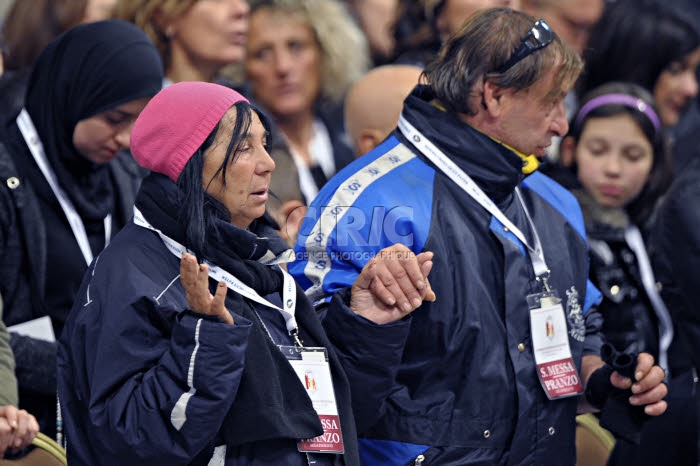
pixel 67 186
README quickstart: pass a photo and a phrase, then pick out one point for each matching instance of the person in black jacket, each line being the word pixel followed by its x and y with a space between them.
pixel 615 160
pixel 66 188
pixel 189 343
pixel 617 152
pixel 675 252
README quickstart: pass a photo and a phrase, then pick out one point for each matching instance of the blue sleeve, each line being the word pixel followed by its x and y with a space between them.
pixel 565 202
pixel 380 200
pixel 594 337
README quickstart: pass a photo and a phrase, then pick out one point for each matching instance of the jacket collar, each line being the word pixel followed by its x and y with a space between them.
pixel 496 168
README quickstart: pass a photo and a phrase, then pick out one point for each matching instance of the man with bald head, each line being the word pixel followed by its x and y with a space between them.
pixel 373 104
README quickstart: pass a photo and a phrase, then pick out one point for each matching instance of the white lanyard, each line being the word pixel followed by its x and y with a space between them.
pixel 636 243
pixel 465 182
pixel 26 127
pixel 289 294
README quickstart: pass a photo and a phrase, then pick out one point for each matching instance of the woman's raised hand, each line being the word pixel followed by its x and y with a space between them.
pixel 195 279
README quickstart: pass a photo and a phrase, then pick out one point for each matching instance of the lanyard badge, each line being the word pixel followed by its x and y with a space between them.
pixel 555 365
pixel 311 366
pixel 550 341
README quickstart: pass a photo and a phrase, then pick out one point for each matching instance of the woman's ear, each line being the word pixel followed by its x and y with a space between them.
pixel 567 151
pixel 162 24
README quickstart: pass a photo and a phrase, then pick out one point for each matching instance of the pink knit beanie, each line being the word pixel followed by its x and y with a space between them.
pixel 176 122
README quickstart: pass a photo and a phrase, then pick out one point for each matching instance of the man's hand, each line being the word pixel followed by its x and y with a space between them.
pixel 392 284
pixel 17 429
pixel 195 279
pixel 648 389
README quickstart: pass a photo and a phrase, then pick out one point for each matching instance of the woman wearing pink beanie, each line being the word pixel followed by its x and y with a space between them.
pixel 165 360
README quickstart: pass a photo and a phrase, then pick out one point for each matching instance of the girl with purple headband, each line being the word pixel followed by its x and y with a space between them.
pixel 617 154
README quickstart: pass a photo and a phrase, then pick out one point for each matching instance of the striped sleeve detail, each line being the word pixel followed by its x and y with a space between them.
pixel 316 243
pixel 178 415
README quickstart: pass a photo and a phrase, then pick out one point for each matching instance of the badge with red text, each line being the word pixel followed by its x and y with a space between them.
pixel 550 341
pixel 311 365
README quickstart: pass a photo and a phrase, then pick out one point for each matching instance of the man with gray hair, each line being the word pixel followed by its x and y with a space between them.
pixel 495 369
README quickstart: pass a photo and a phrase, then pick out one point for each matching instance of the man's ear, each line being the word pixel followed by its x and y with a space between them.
pixel 493 98
pixel 567 151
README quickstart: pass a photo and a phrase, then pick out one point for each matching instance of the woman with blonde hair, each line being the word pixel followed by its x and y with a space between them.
pixel 302 56
pixel 195 38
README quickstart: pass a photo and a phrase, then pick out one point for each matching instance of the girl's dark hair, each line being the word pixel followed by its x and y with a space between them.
pixel 640 208
pixel 635 41
pixel 199 210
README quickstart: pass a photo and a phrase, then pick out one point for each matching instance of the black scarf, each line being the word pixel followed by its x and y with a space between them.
pixel 85 71
pixel 232 248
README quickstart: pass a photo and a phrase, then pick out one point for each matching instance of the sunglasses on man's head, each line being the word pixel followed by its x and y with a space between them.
pixel 539 37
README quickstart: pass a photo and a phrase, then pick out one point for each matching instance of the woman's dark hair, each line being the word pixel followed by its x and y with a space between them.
pixel 30 25
pixel 416 37
pixel 199 210
pixel 640 208
pixel 635 41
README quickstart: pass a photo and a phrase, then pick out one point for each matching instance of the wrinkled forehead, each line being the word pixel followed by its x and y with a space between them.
pixel 558 82
pixel 224 132
pixel 228 121
pixel 565 64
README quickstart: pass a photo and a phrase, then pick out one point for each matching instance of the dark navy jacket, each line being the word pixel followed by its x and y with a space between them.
pixel 23 276
pixel 143 380
pixel 458 377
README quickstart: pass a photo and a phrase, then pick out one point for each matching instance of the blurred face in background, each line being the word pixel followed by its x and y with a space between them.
pixel 676 87
pixel 376 18
pixel 210 35
pixel 455 12
pixel 97 10
pixel 283 63
pixel 572 20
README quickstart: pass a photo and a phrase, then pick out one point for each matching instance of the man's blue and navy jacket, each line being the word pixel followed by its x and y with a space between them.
pixel 456 382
